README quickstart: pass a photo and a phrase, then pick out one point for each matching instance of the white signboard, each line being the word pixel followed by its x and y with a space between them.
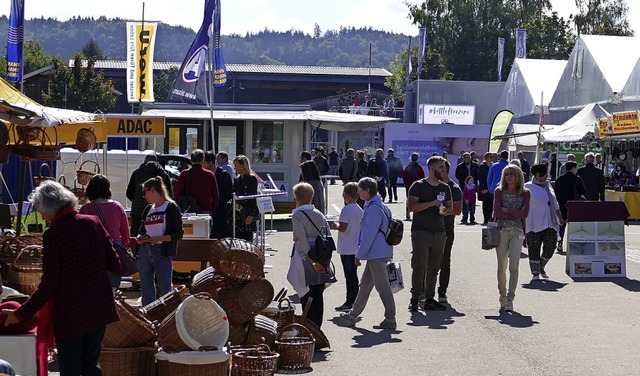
pixel 596 249
pixel 265 205
pixel 446 114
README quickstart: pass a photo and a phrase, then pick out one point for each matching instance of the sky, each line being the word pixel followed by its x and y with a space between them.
pixel 242 16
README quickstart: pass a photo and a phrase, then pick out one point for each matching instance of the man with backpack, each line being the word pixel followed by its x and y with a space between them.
pixel 378 169
pixel 412 173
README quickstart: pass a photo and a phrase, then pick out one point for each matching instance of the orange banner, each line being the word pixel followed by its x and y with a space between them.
pixel 603 127
pixel 625 122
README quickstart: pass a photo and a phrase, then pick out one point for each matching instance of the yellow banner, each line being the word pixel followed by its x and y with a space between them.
pixel 603 127
pixel 66 133
pixel 140 45
pixel 134 126
pixel 625 122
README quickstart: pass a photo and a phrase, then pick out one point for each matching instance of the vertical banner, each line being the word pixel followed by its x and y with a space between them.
pixel 500 57
pixel 498 128
pixel 423 46
pixel 141 39
pixel 15 41
pixel 521 44
pixel 220 69
pixel 188 87
pixel 409 66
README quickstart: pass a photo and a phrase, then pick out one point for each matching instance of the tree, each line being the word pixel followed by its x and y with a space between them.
pixel 317 32
pixel 79 88
pixel 603 17
pixel 34 57
pixel 91 50
pixel 163 82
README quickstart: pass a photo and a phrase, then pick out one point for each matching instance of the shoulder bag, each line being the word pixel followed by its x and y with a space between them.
pixel 490 235
pixel 323 247
pixel 128 260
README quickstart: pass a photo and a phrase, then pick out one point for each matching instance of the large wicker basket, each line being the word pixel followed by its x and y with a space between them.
pixel 243 302
pixel 296 352
pixel 26 269
pixel 44 174
pixel 160 308
pixel 9 249
pixel 261 330
pixel 212 283
pixel 84 174
pixel 135 361
pixel 132 330
pixel 283 313
pixel 237 258
pixel 79 192
pixel 198 321
pixel 193 363
pixel 85 139
pixel 259 361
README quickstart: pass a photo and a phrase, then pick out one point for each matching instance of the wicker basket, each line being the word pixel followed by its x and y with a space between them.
pixel 237 334
pixel 237 258
pixel 261 330
pixel 193 363
pixel 135 361
pixel 85 175
pixel 10 247
pixel 260 361
pixel 198 321
pixel 212 283
pixel 243 302
pixel 160 308
pixel 63 181
pixel 80 193
pixel 41 174
pixel 85 139
pixel 283 313
pixel 295 352
pixel 132 330
pixel 26 269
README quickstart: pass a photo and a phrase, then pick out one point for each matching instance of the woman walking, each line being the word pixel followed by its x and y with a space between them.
pixel 245 184
pixel 311 175
pixel 542 221
pixel 377 252
pixel 510 208
pixel 157 239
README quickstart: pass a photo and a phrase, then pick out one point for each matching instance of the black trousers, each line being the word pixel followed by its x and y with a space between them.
pixel 317 305
pixel 382 190
pixel 487 208
pixel 79 355
pixel 350 277
pixel 445 266
pixel 393 188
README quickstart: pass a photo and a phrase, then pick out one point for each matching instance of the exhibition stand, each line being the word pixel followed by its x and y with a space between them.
pixel 631 201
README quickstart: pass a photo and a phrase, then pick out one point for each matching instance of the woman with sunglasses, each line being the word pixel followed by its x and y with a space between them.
pixel 157 239
pixel 510 208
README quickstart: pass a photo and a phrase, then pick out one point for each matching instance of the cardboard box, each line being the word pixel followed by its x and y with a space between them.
pixel 196 227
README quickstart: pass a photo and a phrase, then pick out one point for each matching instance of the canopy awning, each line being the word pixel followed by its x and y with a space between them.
pixel 581 128
pixel 335 121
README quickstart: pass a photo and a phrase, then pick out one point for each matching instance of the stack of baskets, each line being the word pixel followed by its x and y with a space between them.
pixel 25 271
pixel 10 247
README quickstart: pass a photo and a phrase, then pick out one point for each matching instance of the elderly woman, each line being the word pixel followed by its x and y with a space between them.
pixel 77 255
pixel 311 175
pixel 306 276
pixel 245 184
pixel 115 219
pixel 157 239
pixel 377 252
pixel 542 221
pixel 510 208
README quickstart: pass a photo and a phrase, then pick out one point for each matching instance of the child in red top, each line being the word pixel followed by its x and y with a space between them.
pixel 469 194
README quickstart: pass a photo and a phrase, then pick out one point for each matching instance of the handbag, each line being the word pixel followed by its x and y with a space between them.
pixel 312 277
pixel 394 271
pixel 490 236
pixel 323 246
pixel 128 259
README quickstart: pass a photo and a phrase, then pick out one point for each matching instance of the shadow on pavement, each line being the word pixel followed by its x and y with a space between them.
pixel 320 355
pixel 632 285
pixel 435 319
pixel 544 285
pixel 513 319
pixel 367 338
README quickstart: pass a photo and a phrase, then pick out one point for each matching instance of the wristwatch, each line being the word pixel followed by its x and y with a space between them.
pixel 314 263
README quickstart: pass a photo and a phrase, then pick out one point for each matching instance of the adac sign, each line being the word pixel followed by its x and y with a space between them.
pixel 135 126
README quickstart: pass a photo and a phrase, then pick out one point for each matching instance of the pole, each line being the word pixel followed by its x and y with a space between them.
pixel 369 86
pixel 23 170
pixel 212 65
pixel 540 126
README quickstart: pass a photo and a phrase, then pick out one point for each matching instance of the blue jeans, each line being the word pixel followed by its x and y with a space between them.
pixel 469 210
pixel 152 265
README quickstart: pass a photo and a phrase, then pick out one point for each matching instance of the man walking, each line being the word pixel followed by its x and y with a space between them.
pixel 526 168
pixel 333 163
pixel 349 168
pixel 592 178
pixel 568 187
pixel 395 171
pixel 495 172
pixel 199 183
pixel 378 169
pixel 483 188
pixel 220 216
pixel 429 199
pixel 411 173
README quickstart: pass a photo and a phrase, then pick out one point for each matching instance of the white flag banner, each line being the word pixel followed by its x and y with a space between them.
pixel 141 39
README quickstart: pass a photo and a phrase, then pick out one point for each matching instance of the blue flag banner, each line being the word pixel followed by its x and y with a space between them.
pixel 500 57
pixel 188 86
pixel 423 46
pixel 15 41
pixel 409 66
pixel 521 44
pixel 219 68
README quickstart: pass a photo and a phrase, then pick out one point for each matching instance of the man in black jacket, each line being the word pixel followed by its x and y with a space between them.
pixel 395 171
pixel 483 188
pixel 466 168
pixel 220 227
pixel 568 187
pixel 349 168
pixel 593 179
pixel 147 170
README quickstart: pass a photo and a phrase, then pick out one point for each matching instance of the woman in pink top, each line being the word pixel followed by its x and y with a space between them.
pixel 99 193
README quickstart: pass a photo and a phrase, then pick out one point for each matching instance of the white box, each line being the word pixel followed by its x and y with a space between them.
pixel 196 227
pixel 20 352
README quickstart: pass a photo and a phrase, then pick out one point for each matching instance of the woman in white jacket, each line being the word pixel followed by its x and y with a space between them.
pixel 377 252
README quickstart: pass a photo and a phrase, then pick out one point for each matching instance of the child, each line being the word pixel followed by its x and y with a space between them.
pixel 348 226
pixel 469 194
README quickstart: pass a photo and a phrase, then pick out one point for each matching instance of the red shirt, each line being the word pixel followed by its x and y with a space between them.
pixel 76 256
pixel 203 187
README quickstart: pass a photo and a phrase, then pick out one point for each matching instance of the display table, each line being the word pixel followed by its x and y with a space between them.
pixel 595 239
pixel 20 352
pixel 630 199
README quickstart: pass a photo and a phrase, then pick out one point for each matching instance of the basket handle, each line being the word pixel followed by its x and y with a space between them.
pixel 282 307
pixel 40 171
pixel 96 167
pixel 280 295
pixel 25 248
pixel 296 325
pixel 202 295
pixel 62 180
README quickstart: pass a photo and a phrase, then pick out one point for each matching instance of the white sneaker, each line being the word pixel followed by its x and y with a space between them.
pixel 535 277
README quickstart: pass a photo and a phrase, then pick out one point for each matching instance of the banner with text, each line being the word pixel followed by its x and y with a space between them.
pixel 15 41
pixel 135 126
pixel 141 39
pixel 625 122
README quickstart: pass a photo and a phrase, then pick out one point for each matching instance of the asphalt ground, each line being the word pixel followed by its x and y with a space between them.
pixel 559 326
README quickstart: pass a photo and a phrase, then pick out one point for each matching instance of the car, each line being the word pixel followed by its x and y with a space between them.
pixel 174 164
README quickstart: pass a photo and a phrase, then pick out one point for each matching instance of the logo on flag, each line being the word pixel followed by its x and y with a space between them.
pixel 15 41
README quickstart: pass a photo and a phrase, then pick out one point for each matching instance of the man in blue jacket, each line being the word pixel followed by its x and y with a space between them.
pixel 495 171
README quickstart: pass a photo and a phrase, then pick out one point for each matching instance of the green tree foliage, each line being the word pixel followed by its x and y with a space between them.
pixel 91 50
pixel 79 88
pixel 603 17
pixel 163 82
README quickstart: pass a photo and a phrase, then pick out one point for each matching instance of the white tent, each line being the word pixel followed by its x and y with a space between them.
pixel 581 128
pixel 598 69
pixel 525 136
pixel 528 80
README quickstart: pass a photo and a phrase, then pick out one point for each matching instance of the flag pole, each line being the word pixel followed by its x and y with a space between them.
pixel 540 127
pixel 212 68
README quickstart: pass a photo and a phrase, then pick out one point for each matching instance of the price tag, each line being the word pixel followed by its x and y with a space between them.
pixel 265 205
pixel 441 198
